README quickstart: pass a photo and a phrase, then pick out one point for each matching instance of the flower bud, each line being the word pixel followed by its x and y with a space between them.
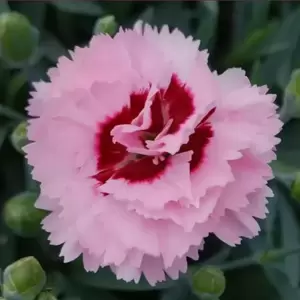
pixel 295 190
pixel 18 39
pixel 19 137
pixel 291 101
pixel 106 25
pixel 21 216
pixel 23 280
pixel 294 84
pixel 46 296
pixel 208 282
pixel 269 256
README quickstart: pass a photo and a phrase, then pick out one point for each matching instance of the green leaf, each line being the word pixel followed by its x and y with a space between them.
pixel 180 291
pixel 4 6
pixel 86 7
pixel 255 72
pixel 7 246
pixel 52 48
pixel 290 233
pixel 208 13
pixel 173 14
pixel 259 14
pixel 105 279
pixel 17 81
pixel 38 71
pixel 282 284
pixel 252 47
pixel 277 67
pixel 11 113
pixel 288 151
pixel 284 173
pixel 240 21
pixel 34 11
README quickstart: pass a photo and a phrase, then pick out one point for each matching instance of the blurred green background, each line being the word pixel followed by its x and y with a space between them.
pixel 263 37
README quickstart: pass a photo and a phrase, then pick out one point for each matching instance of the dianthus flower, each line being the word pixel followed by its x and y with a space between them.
pixel 142 152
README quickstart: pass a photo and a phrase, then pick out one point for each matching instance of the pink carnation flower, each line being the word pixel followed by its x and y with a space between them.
pixel 142 152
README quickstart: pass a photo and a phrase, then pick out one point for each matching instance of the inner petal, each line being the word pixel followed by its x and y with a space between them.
pixel 142 170
pixel 110 153
pixel 178 99
pixel 199 140
pixel 148 125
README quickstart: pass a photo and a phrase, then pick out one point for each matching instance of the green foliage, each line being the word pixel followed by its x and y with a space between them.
pixel 209 282
pixel 46 296
pixel 19 136
pixel 23 280
pixel 106 25
pixel 21 216
pixel 81 7
pixel 263 37
pixel 16 30
pixel 104 278
pixel 295 189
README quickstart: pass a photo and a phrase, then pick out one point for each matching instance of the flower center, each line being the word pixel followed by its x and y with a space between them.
pixel 127 142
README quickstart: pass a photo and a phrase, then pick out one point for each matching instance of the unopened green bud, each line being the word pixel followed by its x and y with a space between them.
pixel 46 296
pixel 291 101
pixel 295 190
pixel 18 38
pixel 294 84
pixel 21 216
pixel 107 25
pixel 209 282
pixel 23 280
pixel 19 137
pixel 268 256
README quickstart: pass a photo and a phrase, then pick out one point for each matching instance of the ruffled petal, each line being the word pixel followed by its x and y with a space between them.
pixel 170 181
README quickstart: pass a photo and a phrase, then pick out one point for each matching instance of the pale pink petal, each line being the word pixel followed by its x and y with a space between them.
pixel 142 152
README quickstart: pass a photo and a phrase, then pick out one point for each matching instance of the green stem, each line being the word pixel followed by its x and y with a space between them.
pixel 284 253
pixel 261 258
pixel 237 264
pixel 7 112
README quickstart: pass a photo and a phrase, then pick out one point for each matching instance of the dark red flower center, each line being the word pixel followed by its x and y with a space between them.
pixel 170 108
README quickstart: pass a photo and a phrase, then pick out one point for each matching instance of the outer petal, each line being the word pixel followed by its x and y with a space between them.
pixel 180 213
pixel 183 58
